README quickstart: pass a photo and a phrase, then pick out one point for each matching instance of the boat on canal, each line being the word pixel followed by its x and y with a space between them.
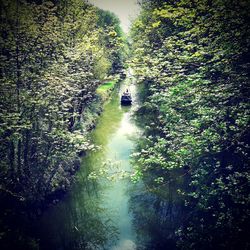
pixel 126 98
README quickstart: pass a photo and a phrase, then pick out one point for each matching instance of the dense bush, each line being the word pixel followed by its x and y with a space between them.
pixel 193 58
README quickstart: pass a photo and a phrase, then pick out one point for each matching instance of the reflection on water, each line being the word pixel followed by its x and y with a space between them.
pixel 155 220
pixel 125 245
pixel 95 213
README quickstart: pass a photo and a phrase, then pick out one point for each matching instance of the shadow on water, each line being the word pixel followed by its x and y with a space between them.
pixel 156 216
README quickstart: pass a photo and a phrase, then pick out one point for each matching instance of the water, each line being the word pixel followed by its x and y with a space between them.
pixel 95 213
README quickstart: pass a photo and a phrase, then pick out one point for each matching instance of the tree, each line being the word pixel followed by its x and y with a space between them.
pixel 52 60
pixel 193 58
pixel 51 63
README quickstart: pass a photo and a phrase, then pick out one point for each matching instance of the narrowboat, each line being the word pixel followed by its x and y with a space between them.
pixel 126 98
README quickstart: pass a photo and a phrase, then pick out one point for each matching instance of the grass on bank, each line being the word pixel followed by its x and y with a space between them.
pixel 105 87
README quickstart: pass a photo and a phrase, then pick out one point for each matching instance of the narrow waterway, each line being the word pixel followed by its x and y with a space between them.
pixel 95 213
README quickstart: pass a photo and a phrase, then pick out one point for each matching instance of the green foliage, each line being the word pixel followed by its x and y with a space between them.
pixel 113 38
pixel 52 58
pixel 193 56
pixel 106 86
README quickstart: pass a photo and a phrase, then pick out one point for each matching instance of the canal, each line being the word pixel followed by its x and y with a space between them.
pixel 95 213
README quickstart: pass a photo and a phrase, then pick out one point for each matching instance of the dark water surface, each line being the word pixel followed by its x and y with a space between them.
pixel 95 213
